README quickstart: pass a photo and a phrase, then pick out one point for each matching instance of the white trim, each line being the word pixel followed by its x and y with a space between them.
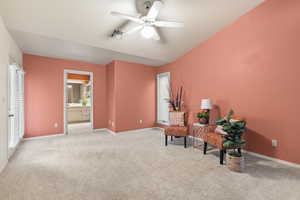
pixel 66 71
pixel 130 131
pixel 163 123
pixel 159 129
pixel 44 137
pixel 272 159
pixel 11 151
pixel 3 165
pixel 104 129
pixel 136 130
pixel 110 131
pixel 100 129
pixel 157 96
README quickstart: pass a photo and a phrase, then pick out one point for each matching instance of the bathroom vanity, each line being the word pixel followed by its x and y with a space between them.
pixel 78 113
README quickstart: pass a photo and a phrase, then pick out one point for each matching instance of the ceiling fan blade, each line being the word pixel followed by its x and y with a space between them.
pixel 135 29
pixel 154 10
pixel 155 34
pixel 169 24
pixel 128 17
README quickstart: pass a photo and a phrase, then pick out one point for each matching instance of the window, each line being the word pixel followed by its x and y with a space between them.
pixel 163 95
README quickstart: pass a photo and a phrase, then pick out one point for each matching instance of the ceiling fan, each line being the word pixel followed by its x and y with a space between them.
pixel 147 24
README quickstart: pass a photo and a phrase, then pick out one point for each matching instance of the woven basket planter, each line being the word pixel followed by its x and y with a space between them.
pixel 236 164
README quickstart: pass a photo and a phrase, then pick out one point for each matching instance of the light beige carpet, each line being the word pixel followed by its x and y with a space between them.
pixel 90 166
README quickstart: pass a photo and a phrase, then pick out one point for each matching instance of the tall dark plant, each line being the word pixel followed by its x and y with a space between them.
pixel 177 100
pixel 234 129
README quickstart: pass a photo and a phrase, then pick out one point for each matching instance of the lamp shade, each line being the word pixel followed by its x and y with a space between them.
pixel 206 104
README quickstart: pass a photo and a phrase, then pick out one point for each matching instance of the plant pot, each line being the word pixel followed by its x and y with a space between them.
pixel 234 163
pixel 203 121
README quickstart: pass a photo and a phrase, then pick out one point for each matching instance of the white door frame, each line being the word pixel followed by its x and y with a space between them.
pixel 65 100
pixel 168 74
pixel 18 112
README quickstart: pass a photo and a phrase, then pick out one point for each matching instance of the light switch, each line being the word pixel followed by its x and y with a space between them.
pixel 274 143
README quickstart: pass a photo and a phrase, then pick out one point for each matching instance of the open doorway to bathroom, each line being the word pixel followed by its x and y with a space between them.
pixel 78 101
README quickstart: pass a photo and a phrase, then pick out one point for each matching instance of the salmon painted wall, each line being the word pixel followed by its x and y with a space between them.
pixel 111 97
pixel 44 81
pixel 135 96
pixel 252 66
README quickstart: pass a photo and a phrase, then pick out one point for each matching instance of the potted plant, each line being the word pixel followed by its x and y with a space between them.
pixel 234 128
pixel 203 117
pixel 84 102
pixel 177 116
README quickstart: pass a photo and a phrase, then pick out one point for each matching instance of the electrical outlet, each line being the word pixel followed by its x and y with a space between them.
pixel 140 121
pixel 55 125
pixel 274 143
pixel 113 124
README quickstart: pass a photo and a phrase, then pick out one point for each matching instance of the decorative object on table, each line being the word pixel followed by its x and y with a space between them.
pixel 203 115
pixel 176 102
pixel 176 107
pixel 234 128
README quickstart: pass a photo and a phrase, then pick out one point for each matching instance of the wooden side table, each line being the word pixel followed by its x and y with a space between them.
pixel 198 133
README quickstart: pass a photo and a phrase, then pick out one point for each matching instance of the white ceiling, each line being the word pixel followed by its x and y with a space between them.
pixel 80 29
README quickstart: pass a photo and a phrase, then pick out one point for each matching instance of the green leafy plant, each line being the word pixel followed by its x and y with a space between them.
pixel 234 129
pixel 84 102
pixel 203 114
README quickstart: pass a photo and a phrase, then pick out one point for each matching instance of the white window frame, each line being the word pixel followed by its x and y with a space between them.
pixel 168 74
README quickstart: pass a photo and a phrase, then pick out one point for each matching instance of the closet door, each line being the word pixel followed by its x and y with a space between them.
pixel 12 108
pixel 16 106
pixel 20 103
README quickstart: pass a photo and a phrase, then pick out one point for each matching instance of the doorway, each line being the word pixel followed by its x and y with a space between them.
pixel 163 95
pixel 78 102
pixel 15 107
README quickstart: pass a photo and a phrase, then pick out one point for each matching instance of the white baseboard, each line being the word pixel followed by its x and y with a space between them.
pixel 158 128
pixel 100 129
pixel 272 159
pixel 136 130
pixel 3 165
pixel 11 151
pixel 130 131
pixel 44 137
pixel 104 129
pixel 110 131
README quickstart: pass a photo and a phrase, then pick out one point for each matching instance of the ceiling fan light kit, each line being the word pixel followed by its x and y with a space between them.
pixel 148 24
pixel 147 32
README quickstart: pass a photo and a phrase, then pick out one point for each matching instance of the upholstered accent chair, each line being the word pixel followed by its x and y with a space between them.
pixel 216 139
pixel 177 131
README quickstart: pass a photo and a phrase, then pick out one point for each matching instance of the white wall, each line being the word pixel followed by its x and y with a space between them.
pixel 9 53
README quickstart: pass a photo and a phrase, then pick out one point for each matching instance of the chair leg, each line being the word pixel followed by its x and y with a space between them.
pixel 171 138
pixel 166 140
pixel 221 156
pixel 205 147
pixel 184 141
